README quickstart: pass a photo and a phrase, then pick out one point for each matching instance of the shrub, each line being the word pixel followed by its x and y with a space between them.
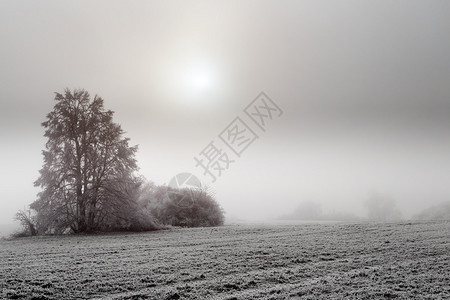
pixel 184 207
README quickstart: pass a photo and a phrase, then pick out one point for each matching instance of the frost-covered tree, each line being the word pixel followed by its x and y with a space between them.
pixel 27 221
pixel 382 208
pixel 87 179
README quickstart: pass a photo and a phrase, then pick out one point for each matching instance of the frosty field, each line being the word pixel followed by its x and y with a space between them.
pixel 278 261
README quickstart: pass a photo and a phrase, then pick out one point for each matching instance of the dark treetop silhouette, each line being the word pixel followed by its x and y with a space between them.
pixel 87 180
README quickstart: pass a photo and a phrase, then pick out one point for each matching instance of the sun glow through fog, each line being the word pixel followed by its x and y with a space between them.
pixel 199 79
pixel 199 85
pixel 191 81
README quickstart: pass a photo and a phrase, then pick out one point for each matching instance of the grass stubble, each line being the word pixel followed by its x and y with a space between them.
pixel 292 261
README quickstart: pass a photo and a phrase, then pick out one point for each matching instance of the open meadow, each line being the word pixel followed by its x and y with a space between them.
pixel 241 261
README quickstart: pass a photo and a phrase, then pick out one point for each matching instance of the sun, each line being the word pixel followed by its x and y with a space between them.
pixel 193 83
pixel 200 79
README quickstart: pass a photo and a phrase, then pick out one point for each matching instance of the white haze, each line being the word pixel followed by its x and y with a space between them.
pixel 364 86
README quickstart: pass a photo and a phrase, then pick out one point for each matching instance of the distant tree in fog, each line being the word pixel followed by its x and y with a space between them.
pixel 308 210
pixel 437 212
pixel 312 211
pixel 382 208
pixel 87 180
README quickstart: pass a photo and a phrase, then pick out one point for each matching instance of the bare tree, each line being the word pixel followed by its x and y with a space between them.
pixel 88 169
pixel 27 221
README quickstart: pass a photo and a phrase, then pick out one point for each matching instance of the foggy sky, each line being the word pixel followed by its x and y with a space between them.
pixel 364 86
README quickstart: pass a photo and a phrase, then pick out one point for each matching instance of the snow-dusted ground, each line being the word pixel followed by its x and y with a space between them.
pixel 241 261
pixel 7 229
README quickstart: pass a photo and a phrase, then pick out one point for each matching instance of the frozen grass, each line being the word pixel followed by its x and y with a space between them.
pixel 303 261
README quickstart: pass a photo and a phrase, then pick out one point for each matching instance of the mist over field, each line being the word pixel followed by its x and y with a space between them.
pixel 230 150
pixel 362 88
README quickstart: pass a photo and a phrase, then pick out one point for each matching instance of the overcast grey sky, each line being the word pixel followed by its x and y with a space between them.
pixel 364 86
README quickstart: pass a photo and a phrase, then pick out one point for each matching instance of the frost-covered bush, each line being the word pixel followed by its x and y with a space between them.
pixel 184 207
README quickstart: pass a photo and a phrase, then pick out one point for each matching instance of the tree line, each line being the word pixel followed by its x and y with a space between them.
pixel 89 180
